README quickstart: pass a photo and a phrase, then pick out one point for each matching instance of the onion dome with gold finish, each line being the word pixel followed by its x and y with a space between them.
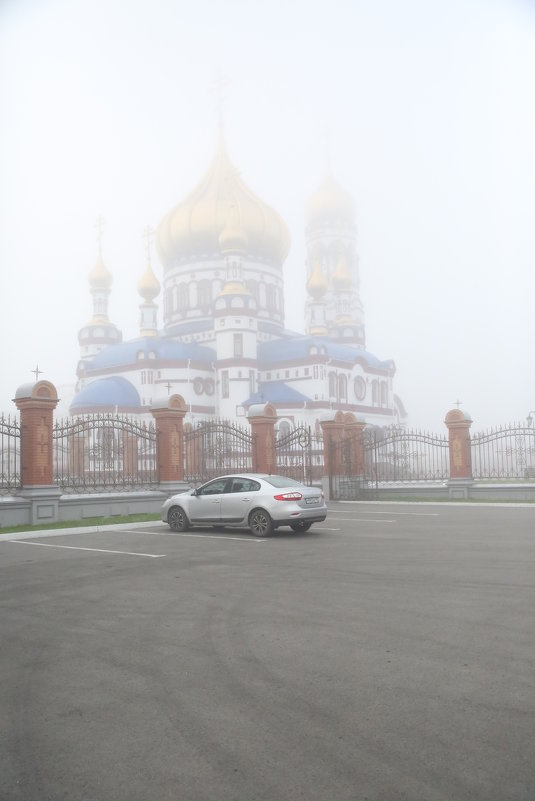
pixel 317 283
pixel 193 228
pixel 100 277
pixel 148 285
pixel 341 277
pixel 330 204
pixel 233 238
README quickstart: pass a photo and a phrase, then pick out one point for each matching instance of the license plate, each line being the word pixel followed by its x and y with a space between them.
pixel 312 500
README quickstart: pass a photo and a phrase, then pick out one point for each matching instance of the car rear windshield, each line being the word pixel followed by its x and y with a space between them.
pixel 282 481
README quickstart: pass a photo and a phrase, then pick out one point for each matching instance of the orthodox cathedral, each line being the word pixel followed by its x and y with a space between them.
pixel 223 345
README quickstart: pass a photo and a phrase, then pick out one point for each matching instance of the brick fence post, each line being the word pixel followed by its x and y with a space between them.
pixel 332 426
pixel 36 404
pixel 262 418
pixel 168 414
pixel 458 425
pixel 353 436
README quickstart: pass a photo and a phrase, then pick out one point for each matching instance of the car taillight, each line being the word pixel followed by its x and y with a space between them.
pixel 288 496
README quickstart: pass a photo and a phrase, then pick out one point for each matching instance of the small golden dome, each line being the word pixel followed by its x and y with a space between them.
pixel 317 283
pixel 341 277
pixel 148 285
pixel 193 228
pixel 234 288
pixel 233 238
pixel 100 277
pixel 330 203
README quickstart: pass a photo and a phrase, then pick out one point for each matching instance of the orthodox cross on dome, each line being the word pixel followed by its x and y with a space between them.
pixel 458 403
pixel 218 88
pixel 99 225
pixel 148 234
pixel 37 372
pixel 169 387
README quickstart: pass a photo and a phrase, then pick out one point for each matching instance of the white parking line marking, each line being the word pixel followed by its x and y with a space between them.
pixel 369 512
pixel 98 550
pixel 221 537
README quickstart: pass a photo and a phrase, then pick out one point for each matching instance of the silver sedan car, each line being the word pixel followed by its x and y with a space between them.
pixel 257 501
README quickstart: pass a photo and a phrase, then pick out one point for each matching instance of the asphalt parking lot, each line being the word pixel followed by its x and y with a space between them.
pixel 388 654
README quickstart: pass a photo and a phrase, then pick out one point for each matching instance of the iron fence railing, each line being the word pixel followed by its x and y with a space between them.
pixel 104 452
pixel 506 452
pixel 299 455
pixel 403 455
pixel 10 439
pixel 216 447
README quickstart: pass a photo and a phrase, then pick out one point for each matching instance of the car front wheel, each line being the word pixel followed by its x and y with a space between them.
pixel 260 523
pixel 177 519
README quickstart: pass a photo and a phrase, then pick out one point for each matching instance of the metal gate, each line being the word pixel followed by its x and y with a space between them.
pixel 299 455
pixel 216 447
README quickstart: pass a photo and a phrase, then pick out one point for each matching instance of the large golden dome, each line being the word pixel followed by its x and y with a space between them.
pixel 194 226
pixel 330 204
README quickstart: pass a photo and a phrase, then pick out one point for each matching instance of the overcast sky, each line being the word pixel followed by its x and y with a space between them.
pixel 429 113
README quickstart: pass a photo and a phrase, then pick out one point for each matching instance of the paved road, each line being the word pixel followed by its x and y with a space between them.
pixel 386 655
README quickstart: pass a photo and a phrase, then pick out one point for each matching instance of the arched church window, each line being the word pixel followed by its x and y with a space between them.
pixel 359 386
pixel 183 297
pixel 384 393
pixel 204 294
pixel 271 297
pixel 342 388
pixel 375 391
pixel 332 385
pixel 175 298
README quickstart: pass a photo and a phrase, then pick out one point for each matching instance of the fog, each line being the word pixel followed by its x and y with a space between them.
pixel 425 109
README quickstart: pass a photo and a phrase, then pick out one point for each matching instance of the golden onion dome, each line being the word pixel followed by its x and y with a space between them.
pixel 330 203
pixel 100 277
pixel 233 288
pixel 193 228
pixel 233 238
pixel 148 285
pixel 317 283
pixel 341 277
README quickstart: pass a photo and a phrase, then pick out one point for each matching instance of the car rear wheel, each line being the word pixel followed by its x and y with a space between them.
pixel 260 523
pixel 301 526
pixel 177 519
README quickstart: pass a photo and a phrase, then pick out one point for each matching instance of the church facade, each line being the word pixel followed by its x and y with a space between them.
pixel 223 344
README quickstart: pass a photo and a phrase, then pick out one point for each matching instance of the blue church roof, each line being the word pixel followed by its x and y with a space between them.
pixel 128 353
pixel 299 348
pixel 113 391
pixel 275 392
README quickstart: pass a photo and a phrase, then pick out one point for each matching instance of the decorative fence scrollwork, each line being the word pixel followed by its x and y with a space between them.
pixel 507 452
pixel 299 455
pixel 10 479
pixel 402 455
pixel 216 447
pixel 103 452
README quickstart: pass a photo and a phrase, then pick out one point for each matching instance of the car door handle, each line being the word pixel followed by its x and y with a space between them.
pixel 246 500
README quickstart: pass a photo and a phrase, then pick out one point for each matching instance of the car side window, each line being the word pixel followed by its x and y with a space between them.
pixel 245 485
pixel 215 488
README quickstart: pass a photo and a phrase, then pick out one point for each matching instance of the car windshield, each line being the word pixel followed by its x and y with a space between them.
pixel 282 481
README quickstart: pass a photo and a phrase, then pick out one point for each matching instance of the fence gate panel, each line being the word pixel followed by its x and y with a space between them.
pixel 10 478
pixel 507 452
pixel 299 455
pixel 215 448
pixel 104 452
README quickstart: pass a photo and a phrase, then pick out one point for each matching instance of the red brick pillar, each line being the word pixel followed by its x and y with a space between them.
pixel 333 434
pixel 353 436
pixel 169 415
pixel 36 403
pixel 262 418
pixel 459 441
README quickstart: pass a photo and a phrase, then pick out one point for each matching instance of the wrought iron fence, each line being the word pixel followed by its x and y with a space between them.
pixel 216 447
pixel 506 452
pixel 104 452
pixel 10 438
pixel 299 455
pixel 402 455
